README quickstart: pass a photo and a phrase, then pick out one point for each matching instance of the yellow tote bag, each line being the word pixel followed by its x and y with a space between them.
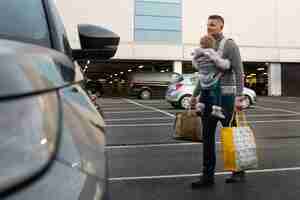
pixel 238 145
pixel 228 149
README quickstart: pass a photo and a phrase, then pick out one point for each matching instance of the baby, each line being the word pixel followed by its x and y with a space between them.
pixel 210 67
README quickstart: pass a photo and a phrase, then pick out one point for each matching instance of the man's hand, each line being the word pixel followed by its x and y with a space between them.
pixel 239 103
pixel 193 102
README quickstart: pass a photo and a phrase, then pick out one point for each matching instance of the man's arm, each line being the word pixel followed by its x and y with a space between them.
pixel 196 93
pixel 237 66
pixel 220 62
pixel 197 89
pixel 197 53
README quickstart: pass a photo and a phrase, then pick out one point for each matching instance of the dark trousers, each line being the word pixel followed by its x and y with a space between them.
pixel 209 128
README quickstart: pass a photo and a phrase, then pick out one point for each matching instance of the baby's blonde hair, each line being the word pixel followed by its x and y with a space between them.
pixel 207 41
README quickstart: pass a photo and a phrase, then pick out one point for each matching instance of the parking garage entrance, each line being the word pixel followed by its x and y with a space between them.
pixel 113 76
pixel 256 77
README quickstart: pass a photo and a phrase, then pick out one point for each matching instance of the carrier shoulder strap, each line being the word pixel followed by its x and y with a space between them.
pixel 222 45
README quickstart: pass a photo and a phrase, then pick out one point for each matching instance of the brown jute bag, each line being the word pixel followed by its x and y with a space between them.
pixel 188 126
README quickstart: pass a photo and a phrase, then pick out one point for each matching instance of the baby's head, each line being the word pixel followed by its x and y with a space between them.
pixel 207 41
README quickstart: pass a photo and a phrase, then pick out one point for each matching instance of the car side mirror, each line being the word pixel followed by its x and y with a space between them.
pixel 96 42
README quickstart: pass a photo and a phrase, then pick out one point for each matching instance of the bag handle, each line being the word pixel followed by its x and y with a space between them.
pixel 189 109
pixel 240 118
pixel 232 120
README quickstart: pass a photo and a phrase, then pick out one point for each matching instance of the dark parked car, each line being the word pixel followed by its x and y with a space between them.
pixel 52 137
pixel 95 87
pixel 149 85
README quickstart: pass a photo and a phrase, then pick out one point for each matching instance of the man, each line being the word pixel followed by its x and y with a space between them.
pixel 231 89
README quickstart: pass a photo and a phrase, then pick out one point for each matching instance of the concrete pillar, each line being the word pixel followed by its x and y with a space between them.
pixel 274 80
pixel 177 67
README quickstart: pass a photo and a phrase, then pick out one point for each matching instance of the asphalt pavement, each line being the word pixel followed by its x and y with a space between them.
pixel 145 162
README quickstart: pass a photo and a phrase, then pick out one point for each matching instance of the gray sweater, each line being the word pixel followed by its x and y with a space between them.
pixel 210 66
pixel 232 82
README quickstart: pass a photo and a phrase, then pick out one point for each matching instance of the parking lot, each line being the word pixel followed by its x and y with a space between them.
pixel 145 162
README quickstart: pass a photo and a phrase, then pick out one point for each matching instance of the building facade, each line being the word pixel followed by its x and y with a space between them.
pixel 167 31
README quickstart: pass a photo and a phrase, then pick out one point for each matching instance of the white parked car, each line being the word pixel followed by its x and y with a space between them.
pixel 179 92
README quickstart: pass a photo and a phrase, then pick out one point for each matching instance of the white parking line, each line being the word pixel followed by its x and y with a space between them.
pixel 196 175
pixel 121 109
pixel 136 111
pixel 111 102
pixel 274 121
pixel 276 109
pixel 134 119
pixel 151 108
pixel 150 101
pixel 166 118
pixel 127 105
pixel 277 101
pixel 171 124
pixel 271 115
pixel 153 145
pixel 139 125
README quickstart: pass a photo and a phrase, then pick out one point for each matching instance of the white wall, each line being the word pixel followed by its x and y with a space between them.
pixel 252 24
pixel 265 30
pixel 289 30
pixel 116 15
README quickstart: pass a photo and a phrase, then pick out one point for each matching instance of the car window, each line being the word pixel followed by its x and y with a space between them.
pixel 176 77
pixel 188 81
pixel 63 42
pixel 24 21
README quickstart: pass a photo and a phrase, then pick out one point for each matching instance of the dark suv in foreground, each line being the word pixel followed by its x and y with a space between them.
pixel 52 138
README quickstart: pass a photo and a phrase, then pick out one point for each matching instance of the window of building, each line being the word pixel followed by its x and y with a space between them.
pixel 158 21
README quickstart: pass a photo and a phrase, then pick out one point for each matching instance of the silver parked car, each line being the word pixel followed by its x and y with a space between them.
pixel 179 92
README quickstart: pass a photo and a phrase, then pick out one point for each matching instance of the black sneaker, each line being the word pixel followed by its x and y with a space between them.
pixel 203 182
pixel 236 177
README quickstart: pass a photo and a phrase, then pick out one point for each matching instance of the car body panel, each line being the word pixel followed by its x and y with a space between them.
pixel 29 137
pixel 87 134
pixel 175 95
pixel 20 61
pixel 28 69
pixel 60 182
pixel 76 168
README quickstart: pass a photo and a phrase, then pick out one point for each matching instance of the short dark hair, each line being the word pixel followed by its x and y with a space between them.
pixel 217 17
